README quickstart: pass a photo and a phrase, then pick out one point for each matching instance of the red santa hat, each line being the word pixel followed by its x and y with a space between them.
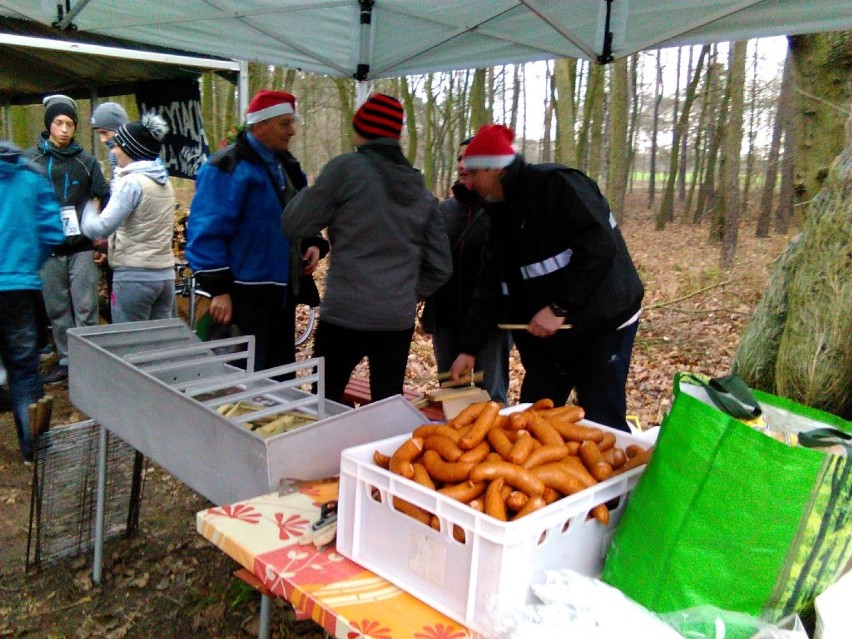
pixel 269 104
pixel 490 148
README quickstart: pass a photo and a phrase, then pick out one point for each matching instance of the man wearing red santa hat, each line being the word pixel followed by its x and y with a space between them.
pixel 554 245
pixel 235 245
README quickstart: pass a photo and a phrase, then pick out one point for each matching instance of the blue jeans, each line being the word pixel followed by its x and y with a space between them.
pixel 19 352
pixel 140 301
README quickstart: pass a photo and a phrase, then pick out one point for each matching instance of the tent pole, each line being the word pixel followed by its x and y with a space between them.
pixel 93 97
pixel 242 91
pixel 365 41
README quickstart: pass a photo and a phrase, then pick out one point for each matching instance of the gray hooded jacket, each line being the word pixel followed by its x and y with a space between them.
pixel 389 247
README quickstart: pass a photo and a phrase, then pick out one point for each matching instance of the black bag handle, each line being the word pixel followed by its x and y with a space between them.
pixel 825 437
pixel 731 395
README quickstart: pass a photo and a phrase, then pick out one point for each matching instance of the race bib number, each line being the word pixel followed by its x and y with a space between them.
pixel 70 223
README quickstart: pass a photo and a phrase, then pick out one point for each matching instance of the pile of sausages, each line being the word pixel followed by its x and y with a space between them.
pixel 508 466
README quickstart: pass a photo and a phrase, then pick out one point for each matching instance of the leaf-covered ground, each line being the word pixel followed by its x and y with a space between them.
pixel 169 582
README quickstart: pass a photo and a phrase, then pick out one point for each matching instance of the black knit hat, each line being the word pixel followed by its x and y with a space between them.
pixel 55 105
pixel 142 140
pixel 379 117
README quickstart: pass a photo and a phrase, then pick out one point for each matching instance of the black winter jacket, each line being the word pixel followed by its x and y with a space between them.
pixel 76 177
pixel 553 240
pixel 467 225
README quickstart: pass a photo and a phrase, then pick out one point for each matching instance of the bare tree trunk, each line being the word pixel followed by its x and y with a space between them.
pixel 752 135
pixel 565 76
pixel 516 94
pixel 675 118
pixel 666 213
pixel 597 125
pixel 822 64
pixel 681 173
pixel 593 87
pixel 346 96
pixel 410 119
pixel 707 194
pixel 634 118
pixel 655 125
pixel 549 101
pixel 428 137
pixel 616 183
pixel 764 214
pixel 733 148
pixel 479 112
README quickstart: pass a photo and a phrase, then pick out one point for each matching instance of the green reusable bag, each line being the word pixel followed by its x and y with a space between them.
pixel 725 515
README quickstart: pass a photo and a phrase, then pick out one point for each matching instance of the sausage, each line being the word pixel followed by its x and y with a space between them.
pixel 400 461
pixel 447 472
pixel 514 475
pixel 533 504
pixel 545 432
pixel 541 404
pixel 476 454
pixel 556 477
pixel 575 467
pixel 615 457
pixel 577 432
pixel 467 415
pixel 381 460
pixel 607 442
pixel 464 491
pixel 591 456
pixel 516 500
pixel 640 458
pixel 568 413
pixel 446 448
pixel 520 450
pixel 545 454
pixel 494 504
pixel 499 441
pixel 425 430
pixel 412 511
pixel 601 513
pixel 480 427
pixel 421 476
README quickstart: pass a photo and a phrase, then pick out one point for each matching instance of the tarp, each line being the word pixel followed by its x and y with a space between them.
pixel 399 37
pixel 54 61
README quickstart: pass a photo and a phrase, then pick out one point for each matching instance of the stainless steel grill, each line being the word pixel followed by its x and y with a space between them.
pixel 157 386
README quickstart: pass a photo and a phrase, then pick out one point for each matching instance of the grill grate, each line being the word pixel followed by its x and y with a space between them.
pixel 64 497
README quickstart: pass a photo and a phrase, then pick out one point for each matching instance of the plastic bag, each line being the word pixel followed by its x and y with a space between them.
pixel 709 622
pixel 573 605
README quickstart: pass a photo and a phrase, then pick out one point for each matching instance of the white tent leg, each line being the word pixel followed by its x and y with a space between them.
pixel 242 91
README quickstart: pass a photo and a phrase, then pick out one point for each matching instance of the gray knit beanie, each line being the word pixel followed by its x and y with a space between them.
pixel 55 105
pixel 109 116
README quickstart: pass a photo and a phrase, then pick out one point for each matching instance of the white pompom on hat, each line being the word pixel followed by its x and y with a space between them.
pixel 143 139
pixel 490 148
pixel 269 104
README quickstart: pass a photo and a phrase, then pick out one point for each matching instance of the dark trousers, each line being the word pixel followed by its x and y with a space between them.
pixel 265 317
pixel 597 370
pixel 19 353
pixel 344 348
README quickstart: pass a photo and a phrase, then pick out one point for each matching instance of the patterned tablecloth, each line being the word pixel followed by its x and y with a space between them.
pixel 263 534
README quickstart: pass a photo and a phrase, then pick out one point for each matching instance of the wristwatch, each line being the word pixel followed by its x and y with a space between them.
pixel 557 310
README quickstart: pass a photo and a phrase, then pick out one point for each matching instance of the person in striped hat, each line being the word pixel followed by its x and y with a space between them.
pixel 139 222
pixel 235 246
pixel 555 248
pixel 389 249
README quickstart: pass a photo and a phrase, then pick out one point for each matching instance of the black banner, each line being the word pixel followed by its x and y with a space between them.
pixel 185 148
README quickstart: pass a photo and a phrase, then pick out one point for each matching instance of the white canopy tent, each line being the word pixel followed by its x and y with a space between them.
pixel 388 38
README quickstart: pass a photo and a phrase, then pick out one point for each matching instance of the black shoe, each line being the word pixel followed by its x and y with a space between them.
pixel 59 375
pixel 5 400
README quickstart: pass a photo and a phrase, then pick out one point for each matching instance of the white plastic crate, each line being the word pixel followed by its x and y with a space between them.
pixel 497 559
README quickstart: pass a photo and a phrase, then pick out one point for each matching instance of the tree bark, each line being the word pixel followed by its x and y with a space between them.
pixel 823 64
pixel 596 124
pixel 733 148
pixel 655 127
pixel 410 119
pixel 764 215
pixel 564 77
pixel 666 212
pixel 479 112
pixel 616 184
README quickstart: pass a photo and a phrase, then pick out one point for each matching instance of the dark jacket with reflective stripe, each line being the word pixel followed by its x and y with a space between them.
pixel 554 240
